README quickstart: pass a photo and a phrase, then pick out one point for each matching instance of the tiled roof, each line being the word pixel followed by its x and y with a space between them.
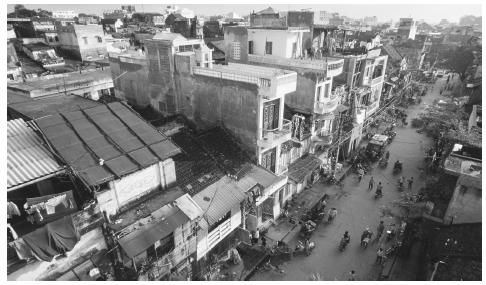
pixel 225 150
pixel 112 134
pixel 195 169
pixel 27 158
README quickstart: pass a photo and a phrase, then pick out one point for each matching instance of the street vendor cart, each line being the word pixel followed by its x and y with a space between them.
pixel 376 146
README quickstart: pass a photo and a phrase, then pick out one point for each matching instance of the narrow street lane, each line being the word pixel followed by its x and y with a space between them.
pixel 358 209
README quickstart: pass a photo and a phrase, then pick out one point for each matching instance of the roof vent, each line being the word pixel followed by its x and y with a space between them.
pixel 101 161
pixel 207 199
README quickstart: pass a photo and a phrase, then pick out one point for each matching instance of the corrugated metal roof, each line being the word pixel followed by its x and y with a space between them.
pixel 113 133
pixel 219 198
pixel 302 167
pixel 160 224
pixel 27 158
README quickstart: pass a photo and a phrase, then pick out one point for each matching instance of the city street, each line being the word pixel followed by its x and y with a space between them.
pixel 358 209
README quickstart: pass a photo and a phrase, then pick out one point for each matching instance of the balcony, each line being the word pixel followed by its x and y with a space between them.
pixel 277 136
pixel 377 80
pixel 272 82
pixel 324 138
pixel 322 108
pixel 330 66
pixel 370 109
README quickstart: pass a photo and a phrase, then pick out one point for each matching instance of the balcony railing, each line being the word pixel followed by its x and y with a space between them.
pixel 278 135
pixel 332 67
pixel 326 107
pixel 261 82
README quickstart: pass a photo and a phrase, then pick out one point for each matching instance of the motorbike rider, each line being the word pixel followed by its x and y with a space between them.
pixel 379 189
pixel 332 214
pixel 401 181
pixel 398 164
pixel 380 229
pixel 366 234
pixel 346 237
pixel 387 155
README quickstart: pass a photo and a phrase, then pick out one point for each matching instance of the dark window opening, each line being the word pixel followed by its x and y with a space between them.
pixel 218 223
pixel 268 48
pixel 250 47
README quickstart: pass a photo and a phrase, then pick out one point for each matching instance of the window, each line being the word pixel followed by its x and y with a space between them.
pixel 326 90
pixel 319 95
pixel 294 50
pixel 250 47
pixel 236 50
pixel 85 39
pixel 268 48
pixel 100 40
pixel 50 40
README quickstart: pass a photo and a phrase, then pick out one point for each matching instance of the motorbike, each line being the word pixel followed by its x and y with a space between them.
pixel 366 240
pixel 397 168
pixel 390 234
pixel 308 229
pixel 343 243
pixel 378 194
pixel 300 247
pixel 383 162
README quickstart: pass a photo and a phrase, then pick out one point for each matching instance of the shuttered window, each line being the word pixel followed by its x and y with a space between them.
pixel 236 50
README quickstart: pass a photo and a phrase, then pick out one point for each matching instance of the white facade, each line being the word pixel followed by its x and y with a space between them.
pixel 284 43
pixel 131 187
pixel 64 14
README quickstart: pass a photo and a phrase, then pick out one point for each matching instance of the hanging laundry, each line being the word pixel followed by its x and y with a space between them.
pixel 52 203
pixel 12 231
pixel 12 210
pixel 24 252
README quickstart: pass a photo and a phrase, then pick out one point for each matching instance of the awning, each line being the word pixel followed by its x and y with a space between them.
pixel 309 198
pixel 27 158
pixel 302 167
pixel 144 237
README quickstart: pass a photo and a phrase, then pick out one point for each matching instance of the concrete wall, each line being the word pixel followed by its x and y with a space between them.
pixel 131 83
pixel 210 101
pixel 465 205
pixel 282 41
pixel 131 187
pixel 202 236
pixel 72 41
pixel 236 34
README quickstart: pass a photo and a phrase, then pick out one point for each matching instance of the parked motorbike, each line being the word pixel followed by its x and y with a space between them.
pixel 300 247
pixel 360 174
pixel 383 162
pixel 390 233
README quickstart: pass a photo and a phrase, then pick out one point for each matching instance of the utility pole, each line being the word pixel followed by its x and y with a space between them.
pixel 340 126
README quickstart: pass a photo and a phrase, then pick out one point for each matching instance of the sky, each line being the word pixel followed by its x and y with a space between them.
pixel 431 13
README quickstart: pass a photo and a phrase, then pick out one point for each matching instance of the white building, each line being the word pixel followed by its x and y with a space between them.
pixel 64 14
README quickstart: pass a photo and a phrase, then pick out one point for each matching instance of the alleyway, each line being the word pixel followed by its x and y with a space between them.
pixel 358 209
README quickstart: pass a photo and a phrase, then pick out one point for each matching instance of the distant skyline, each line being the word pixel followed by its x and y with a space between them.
pixel 431 13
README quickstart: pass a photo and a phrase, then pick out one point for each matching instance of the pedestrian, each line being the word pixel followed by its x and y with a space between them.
pixel 380 256
pixel 370 185
pixel 401 181
pixel 264 241
pixel 380 229
pixel 410 182
pixel 441 90
pixel 307 247
pixel 352 276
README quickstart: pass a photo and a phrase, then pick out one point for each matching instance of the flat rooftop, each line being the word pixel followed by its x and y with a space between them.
pixel 61 79
pixel 251 70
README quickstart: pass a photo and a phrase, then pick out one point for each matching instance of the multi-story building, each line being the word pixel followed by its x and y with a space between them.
pixel 285 42
pixel 43 54
pixel 14 71
pixel 364 77
pixel 64 14
pixel 83 42
pixel 88 19
pixel 407 28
